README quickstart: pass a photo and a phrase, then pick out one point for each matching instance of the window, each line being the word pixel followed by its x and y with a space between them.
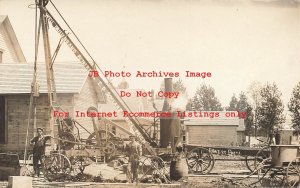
pixel 3 130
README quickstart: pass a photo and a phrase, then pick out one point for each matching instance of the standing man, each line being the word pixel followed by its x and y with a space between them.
pixel 134 150
pixel 38 151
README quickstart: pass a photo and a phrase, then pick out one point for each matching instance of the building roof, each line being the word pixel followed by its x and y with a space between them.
pixel 10 39
pixel 17 77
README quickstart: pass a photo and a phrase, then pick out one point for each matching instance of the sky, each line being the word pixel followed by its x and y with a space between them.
pixel 238 41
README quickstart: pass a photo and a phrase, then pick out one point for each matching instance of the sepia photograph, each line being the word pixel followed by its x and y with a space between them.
pixel 150 93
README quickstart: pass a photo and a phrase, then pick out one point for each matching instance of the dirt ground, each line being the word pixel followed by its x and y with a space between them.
pixel 225 174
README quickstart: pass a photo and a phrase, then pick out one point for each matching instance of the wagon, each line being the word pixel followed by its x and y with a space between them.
pixel 201 160
pixel 279 165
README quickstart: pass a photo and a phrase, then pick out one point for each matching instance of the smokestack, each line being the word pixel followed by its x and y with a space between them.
pixel 169 127
pixel 152 95
pixel 168 88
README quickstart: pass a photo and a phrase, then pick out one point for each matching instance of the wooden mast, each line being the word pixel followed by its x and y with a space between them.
pixel 49 68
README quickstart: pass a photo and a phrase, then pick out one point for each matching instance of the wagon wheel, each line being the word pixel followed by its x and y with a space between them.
pixel 293 173
pixel 250 163
pixel 261 155
pixel 262 168
pixel 107 144
pixel 108 148
pixel 262 164
pixel 92 139
pixel 200 160
pixel 276 178
pixel 153 168
pixel 57 167
pixel 79 163
pixel 65 137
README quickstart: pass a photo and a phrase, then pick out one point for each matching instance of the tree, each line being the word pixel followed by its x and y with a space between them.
pixel 249 120
pixel 189 105
pixel 244 106
pixel 205 100
pixel 180 102
pixel 294 107
pixel 233 104
pixel 255 99
pixel 178 86
pixel 270 110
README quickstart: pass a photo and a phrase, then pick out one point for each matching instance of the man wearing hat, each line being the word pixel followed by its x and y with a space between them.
pixel 38 142
pixel 134 150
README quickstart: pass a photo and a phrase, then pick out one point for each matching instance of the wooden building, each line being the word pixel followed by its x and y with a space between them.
pixel 75 92
pixel 10 50
pixel 217 131
pixel 241 137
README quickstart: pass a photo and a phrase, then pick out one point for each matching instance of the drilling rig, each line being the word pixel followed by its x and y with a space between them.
pixel 69 154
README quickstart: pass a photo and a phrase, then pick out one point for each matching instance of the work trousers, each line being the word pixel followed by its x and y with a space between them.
pixel 132 171
pixel 36 166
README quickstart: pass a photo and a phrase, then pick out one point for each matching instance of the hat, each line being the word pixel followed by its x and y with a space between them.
pixel 39 128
